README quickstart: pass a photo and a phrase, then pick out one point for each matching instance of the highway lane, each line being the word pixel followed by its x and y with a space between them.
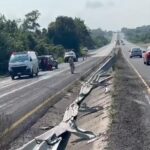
pixel 138 63
pixel 20 96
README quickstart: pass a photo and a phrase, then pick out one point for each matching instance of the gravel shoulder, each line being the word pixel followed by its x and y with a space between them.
pixel 130 113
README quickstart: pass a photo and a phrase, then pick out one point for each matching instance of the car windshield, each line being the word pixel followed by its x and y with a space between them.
pixel 19 58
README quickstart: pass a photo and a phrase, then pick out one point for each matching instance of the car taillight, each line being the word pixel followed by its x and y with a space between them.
pixel 148 55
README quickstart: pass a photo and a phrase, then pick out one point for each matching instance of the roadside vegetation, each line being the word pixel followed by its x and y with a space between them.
pixel 100 37
pixel 27 34
pixel 138 35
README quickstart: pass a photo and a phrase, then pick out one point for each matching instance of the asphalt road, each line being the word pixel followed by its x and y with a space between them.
pixel 20 96
pixel 138 63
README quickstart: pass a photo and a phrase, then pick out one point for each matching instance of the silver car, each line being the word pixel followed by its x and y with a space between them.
pixel 135 52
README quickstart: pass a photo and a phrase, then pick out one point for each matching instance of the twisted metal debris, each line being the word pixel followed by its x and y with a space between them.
pixel 52 139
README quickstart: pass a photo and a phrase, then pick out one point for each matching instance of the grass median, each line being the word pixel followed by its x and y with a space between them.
pixel 129 128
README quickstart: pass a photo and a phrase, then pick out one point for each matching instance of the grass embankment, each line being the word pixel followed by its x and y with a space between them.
pixel 128 129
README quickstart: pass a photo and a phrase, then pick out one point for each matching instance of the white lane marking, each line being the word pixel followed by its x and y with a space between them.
pixel 41 79
pixel 1 106
pixel 10 84
pixel 5 83
pixel 147 98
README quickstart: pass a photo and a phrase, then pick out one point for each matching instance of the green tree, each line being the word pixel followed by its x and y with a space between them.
pixel 83 34
pixel 30 22
pixel 63 32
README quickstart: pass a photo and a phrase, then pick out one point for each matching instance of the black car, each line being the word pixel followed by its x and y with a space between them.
pixel 47 62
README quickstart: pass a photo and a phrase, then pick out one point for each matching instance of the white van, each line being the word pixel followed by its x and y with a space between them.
pixel 23 63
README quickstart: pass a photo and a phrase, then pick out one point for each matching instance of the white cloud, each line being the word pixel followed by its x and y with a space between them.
pixel 94 4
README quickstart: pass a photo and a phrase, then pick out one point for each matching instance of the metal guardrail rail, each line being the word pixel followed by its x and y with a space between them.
pixel 51 139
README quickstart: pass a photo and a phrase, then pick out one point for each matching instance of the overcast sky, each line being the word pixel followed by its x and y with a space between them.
pixel 105 14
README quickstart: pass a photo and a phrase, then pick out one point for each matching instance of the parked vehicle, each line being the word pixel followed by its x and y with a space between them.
pixel 146 57
pixel 23 63
pixel 47 62
pixel 136 52
pixel 70 54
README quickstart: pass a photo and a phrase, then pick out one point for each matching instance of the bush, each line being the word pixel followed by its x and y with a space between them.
pixel 60 60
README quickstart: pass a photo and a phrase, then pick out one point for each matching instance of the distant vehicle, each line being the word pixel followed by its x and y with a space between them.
pixel 136 52
pixel 70 54
pixel 146 57
pixel 47 62
pixel 23 63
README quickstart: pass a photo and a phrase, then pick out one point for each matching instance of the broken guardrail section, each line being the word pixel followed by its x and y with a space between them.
pixel 51 139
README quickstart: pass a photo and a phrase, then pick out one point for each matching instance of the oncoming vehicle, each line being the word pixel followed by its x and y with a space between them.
pixel 136 52
pixel 23 63
pixel 70 54
pixel 47 62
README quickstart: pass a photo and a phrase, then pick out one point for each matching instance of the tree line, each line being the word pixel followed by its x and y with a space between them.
pixel 139 34
pixel 62 34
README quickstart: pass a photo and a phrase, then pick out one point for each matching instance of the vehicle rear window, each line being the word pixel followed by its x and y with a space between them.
pixel 136 49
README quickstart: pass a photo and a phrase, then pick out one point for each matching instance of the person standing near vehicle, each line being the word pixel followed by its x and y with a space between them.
pixel 71 64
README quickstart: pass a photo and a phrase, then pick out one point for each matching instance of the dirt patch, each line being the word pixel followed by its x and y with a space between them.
pixel 130 113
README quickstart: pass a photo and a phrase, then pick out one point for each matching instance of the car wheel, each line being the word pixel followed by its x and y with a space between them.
pixel 37 72
pixel 56 66
pixel 65 61
pixel 147 63
pixel 31 75
pixel 12 77
pixel 50 68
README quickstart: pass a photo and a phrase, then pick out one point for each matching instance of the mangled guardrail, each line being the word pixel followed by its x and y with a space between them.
pixel 52 139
